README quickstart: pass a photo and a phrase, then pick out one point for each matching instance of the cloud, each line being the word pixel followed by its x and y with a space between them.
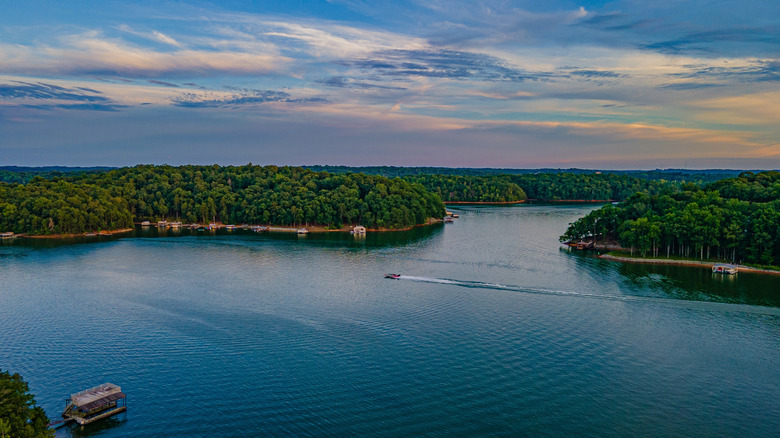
pixel 239 98
pixel 159 36
pixel 91 53
pixel 79 106
pixel 596 74
pixel 448 64
pixel 751 71
pixel 45 96
pixel 40 90
pixel 343 82
pixel 163 83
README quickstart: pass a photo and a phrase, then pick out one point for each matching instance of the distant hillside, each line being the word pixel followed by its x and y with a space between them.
pixel 672 175
pixel 23 175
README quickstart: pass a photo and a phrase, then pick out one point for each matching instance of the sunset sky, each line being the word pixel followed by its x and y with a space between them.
pixel 622 84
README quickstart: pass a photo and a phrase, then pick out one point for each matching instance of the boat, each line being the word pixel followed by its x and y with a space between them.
pixel 582 244
pixel 455 215
pixel 724 269
pixel 393 276
pixel 95 403
pixel 175 224
pixel 7 235
pixel 146 224
pixel 448 220
pixel 302 231
pixel 359 229
pixel 230 227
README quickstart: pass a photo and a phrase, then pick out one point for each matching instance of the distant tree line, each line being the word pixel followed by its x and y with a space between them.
pixel 670 175
pixel 735 219
pixel 22 175
pixel 456 188
pixel 587 186
pixel 244 194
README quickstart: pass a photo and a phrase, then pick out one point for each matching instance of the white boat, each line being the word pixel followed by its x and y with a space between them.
pixel 359 229
pixel 302 231
pixel 146 224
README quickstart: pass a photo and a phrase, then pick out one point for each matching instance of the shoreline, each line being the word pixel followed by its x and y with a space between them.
pixel 573 201
pixel 270 228
pixel 106 233
pixel 484 202
pixel 688 263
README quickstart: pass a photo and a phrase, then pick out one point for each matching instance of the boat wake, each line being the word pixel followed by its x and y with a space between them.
pixel 701 305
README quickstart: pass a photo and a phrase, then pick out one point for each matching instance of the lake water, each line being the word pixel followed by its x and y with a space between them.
pixel 493 329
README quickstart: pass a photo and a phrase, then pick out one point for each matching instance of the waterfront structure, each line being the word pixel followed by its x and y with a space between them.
pixel 95 403
pixel 724 269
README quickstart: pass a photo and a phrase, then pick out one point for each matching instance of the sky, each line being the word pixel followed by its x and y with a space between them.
pixel 623 84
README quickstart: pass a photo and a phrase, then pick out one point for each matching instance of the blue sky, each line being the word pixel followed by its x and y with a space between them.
pixel 597 84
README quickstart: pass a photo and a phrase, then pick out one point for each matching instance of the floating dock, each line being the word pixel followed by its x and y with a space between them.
pixel 95 403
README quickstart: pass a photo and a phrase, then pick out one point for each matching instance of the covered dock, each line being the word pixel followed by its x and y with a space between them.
pixel 95 403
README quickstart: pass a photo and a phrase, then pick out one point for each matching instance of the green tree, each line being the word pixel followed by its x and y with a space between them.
pixel 19 416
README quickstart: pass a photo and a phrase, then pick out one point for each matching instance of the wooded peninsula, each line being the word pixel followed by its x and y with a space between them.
pixel 735 219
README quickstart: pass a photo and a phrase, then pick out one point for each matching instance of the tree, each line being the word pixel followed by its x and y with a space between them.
pixel 19 416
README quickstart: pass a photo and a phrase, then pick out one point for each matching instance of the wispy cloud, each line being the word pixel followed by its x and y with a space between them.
pixel 449 64
pixel 91 53
pixel 239 98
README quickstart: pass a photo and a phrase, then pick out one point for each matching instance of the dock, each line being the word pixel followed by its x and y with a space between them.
pixel 95 403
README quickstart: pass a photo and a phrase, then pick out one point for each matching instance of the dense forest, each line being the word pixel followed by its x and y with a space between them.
pixel 486 184
pixel 736 219
pixel 60 207
pixel 490 185
pixel 587 186
pixel 455 188
pixel 244 194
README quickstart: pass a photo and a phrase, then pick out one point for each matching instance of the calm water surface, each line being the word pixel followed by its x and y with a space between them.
pixel 492 330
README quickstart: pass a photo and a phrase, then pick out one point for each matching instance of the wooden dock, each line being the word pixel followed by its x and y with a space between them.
pixel 95 403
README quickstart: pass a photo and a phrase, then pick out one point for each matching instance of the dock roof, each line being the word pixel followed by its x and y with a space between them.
pixel 97 394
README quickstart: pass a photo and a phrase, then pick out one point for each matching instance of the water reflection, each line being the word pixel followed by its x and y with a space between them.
pixel 684 282
pixel 93 429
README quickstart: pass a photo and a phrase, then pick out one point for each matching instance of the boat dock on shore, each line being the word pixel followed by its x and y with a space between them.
pixel 95 403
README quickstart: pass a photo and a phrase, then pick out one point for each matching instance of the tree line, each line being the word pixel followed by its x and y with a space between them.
pixel 243 194
pixel 735 219
pixel 587 186
pixel 456 188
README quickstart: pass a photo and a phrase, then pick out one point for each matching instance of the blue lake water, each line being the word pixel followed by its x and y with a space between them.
pixel 493 329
